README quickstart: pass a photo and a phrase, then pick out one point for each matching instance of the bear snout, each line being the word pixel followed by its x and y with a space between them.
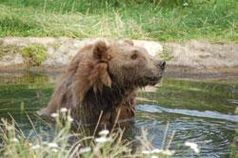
pixel 160 64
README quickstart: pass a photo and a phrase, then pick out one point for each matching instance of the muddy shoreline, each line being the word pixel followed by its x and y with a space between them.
pixel 191 59
pixel 179 72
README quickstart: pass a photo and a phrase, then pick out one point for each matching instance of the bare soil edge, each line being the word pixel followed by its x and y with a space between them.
pixel 191 59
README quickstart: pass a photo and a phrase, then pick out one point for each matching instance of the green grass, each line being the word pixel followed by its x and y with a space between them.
pixel 66 143
pixel 34 54
pixel 213 20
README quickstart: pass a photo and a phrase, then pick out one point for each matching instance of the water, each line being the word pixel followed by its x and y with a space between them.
pixel 213 135
pixel 196 111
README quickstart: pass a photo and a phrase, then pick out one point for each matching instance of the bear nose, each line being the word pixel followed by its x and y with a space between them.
pixel 162 65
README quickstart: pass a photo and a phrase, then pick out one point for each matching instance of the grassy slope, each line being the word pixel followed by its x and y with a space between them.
pixel 214 20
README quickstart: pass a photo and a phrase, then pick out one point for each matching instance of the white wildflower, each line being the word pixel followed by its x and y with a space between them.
pixel 104 132
pixel 54 150
pixel 45 143
pixel 147 152
pixel 10 128
pixel 157 151
pixel 35 147
pixel 14 140
pixel 63 110
pixel 70 119
pixel 53 145
pixel 193 146
pixel 167 152
pixel 84 150
pixel 103 139
pixel 54 115
pixel 185 4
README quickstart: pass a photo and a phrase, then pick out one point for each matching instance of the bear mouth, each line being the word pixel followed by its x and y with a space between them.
pixel 150 80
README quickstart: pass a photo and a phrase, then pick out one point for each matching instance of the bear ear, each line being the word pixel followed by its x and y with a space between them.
pixel 100 51
pixel 130 42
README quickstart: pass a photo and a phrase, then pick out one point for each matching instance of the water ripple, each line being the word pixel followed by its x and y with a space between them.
pixel 207 114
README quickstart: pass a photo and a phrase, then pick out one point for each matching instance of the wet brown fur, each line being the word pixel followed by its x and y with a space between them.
pixel 103 78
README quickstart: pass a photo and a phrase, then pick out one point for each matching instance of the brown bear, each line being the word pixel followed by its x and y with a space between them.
pixel 101 82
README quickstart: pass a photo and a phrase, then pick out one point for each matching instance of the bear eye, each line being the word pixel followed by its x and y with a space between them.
pixel 134 56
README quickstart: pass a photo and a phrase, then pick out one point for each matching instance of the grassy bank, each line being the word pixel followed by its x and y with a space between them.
pixel 214 20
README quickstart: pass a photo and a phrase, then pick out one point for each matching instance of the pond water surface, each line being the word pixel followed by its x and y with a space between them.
pixel 195 111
